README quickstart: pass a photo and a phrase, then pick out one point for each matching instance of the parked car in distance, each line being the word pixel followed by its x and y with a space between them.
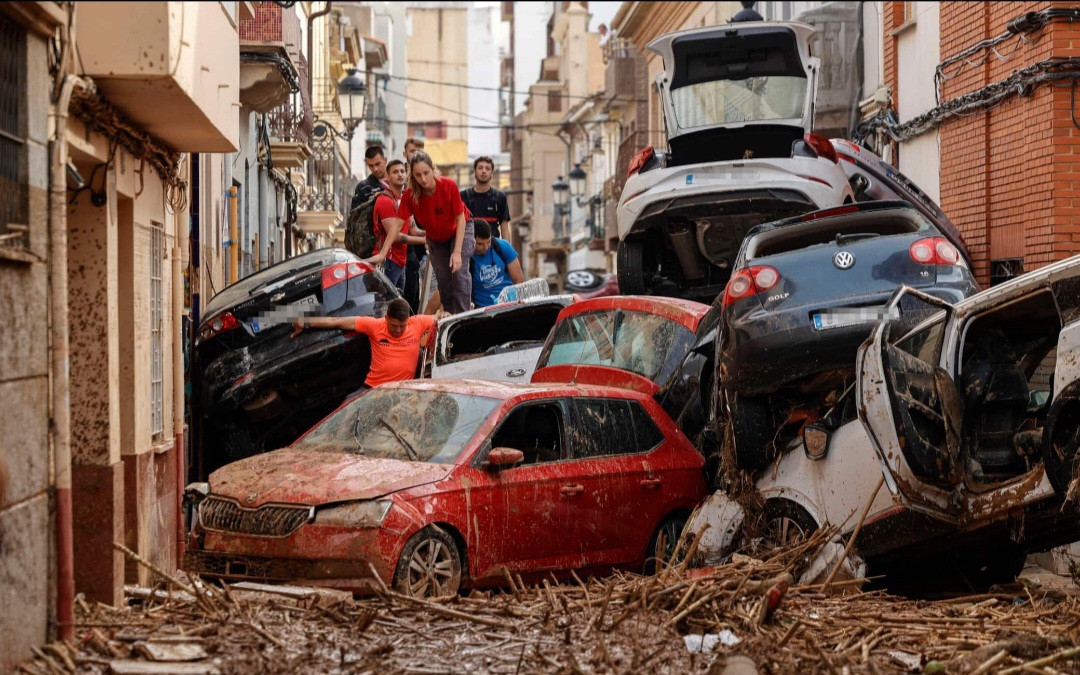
pixel 873 179
pixel 738 105
pixel 255 387
pixel 804 294
pixel 661 347
pixel 971 422
pixel 439 485
pixel 500 342
pixel 590 283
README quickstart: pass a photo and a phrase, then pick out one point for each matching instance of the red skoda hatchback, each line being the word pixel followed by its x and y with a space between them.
pixel 436 485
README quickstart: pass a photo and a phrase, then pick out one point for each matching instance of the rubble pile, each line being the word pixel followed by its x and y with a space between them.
pixel 746 616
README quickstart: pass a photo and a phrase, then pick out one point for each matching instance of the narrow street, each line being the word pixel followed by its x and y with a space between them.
pixel 576 338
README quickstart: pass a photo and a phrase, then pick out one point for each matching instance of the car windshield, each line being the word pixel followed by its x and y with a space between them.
pixel 642 343
pixel 406 424
pixel 753 99
pixel 244 288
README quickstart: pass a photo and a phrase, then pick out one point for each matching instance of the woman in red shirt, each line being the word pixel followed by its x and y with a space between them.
pixel 436 203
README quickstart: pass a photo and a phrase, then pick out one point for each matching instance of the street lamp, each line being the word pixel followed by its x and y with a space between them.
pixel 352 96
pixel 577 184
pixel 352 102
pixel 561 193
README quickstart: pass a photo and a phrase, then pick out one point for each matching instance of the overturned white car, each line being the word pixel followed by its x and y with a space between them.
pixel 959 440
pixel 738 104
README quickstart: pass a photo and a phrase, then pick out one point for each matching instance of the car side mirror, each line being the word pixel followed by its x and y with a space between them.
pixel 815 442
pixel 503 458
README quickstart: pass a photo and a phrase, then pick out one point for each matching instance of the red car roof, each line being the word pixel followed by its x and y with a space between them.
pixel 686 312
pixel 506 390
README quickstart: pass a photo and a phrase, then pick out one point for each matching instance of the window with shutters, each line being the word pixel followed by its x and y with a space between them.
pixel 14 218
pixel 157 389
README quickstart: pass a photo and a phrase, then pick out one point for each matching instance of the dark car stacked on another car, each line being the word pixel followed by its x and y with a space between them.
pixel 805 293
pixel 255 388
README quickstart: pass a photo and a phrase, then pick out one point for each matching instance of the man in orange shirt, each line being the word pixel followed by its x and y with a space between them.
pixel 395 340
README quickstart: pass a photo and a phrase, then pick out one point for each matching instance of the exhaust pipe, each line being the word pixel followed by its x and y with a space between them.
pixel 682 240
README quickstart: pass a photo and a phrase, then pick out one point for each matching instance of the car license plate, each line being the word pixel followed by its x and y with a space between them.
pixel 284 313
pixel 848 316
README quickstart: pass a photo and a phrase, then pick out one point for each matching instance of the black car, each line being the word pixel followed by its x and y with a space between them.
pixel 804 294
pixel 255 388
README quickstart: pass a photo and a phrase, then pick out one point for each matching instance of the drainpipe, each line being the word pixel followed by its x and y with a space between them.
pixel 179 263
pixel 310 53
pixel 234 235
pixel 262 259
pixel 61 375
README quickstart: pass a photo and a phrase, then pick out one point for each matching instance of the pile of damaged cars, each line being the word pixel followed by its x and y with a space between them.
pixel 957 441
pixel 848 367
pixel 430 486
pixel 738 106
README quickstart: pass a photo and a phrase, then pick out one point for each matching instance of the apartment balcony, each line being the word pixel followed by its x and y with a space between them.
pixel 625 77
pixel 377 123
pixel 175 73
pixel 269 57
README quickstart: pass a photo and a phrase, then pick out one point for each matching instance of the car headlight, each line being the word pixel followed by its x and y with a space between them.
pixel 354 514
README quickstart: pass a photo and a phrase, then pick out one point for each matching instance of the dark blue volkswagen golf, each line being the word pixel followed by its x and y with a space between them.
pixel 804 294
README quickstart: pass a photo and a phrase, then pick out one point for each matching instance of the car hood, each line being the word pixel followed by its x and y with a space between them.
pixel 312 478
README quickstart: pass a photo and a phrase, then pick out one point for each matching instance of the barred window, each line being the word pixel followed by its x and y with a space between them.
pixel 157 391
pixel 14 225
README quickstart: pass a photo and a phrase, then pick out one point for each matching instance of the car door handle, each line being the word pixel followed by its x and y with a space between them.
pixel 571 489
pixel 651 483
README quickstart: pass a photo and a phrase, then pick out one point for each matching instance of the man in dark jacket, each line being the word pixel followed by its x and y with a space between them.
pixel 375 158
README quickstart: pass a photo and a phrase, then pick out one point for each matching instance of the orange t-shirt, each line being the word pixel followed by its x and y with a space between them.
pixel 393 359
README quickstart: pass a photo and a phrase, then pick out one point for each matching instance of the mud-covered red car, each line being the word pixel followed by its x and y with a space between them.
pixel 256 388
pixel 661 347
pixel 438 485
pixel 959 437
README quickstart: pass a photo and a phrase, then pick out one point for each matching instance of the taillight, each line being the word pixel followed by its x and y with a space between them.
pixel 221 324
pixel 639 160
pixel 829 213
pixel 821 146
pixel 747 282
pixel 935 251
pixel 335 274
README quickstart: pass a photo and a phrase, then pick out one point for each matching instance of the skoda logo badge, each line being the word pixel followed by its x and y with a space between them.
pixel 516 372
pixel 252 497
pixel 843 260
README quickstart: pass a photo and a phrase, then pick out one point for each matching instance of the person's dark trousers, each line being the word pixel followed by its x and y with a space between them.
pixel 455 289
pixel 412 277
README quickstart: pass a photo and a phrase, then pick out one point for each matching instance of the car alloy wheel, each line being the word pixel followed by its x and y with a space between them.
pixel 582 279
pixel 786 523
pixel 430 565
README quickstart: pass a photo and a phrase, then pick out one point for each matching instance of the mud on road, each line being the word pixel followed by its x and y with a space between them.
pixel 620 624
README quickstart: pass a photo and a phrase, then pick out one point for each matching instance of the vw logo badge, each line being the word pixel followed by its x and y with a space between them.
pixel 844 260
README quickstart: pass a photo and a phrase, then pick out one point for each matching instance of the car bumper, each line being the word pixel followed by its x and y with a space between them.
pixel 821 182
pixel 326 556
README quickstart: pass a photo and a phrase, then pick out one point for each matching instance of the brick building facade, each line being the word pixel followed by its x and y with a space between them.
pixel 1009 173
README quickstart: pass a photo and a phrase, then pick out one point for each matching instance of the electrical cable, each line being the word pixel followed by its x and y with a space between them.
pixel 1021 83
pixel 498 89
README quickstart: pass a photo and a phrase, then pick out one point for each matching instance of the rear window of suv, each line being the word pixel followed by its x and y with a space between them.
pixel 804 235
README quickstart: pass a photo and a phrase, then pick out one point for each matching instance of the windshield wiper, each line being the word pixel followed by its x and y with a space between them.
pixel 855 236
pixel 404 443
